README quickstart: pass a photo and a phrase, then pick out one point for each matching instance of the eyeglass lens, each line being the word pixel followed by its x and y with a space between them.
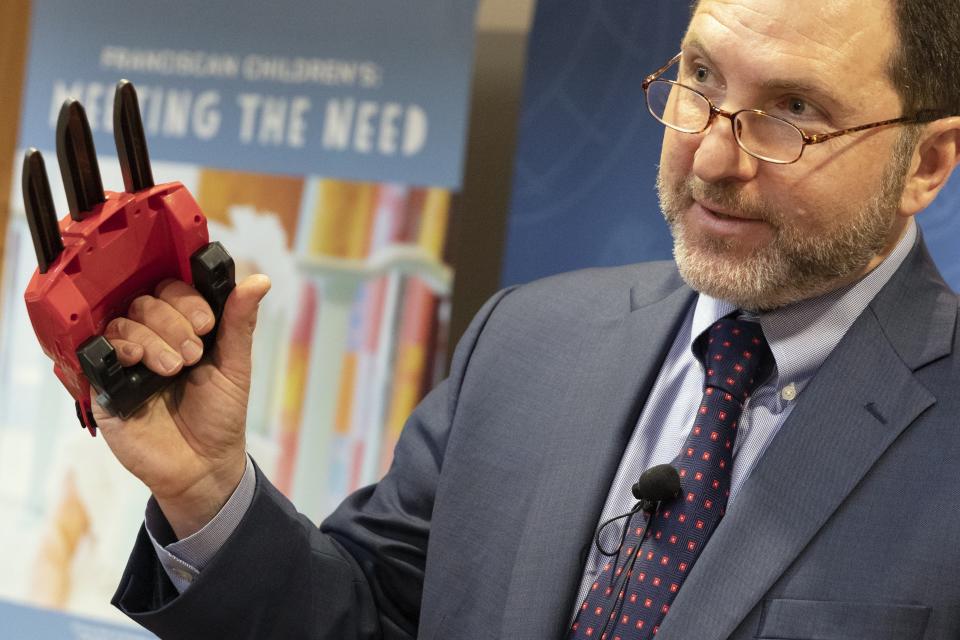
pixel 759 134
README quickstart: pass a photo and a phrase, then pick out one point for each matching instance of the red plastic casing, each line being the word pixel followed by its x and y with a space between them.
pixel 121 250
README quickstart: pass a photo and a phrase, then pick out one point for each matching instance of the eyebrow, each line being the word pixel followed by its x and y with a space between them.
pixel 840 109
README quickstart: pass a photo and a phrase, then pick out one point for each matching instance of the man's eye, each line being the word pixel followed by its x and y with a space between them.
pixel 797 107
pixel 701 74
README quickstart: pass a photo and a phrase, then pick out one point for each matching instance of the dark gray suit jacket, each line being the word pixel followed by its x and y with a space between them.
pixel 845 529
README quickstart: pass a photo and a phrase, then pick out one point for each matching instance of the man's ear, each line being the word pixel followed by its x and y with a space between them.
pixel 936 155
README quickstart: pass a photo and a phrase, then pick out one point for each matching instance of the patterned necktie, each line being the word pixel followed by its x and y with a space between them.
pixel 736 358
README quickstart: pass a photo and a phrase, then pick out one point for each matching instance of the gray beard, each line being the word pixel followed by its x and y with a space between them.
pixel 796 265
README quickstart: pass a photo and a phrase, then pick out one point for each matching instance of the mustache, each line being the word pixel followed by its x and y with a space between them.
pixel 728 196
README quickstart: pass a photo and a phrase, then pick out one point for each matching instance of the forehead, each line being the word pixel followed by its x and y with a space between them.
pixel 841 40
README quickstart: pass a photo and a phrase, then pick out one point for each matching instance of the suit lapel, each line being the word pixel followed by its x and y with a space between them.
pixel 862 398
pixel 585 446
pixel 832 438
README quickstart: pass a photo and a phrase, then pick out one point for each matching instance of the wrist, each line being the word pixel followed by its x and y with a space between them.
pixel 191 509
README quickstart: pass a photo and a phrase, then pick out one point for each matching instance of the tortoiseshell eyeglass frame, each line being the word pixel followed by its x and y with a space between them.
pixel 923 116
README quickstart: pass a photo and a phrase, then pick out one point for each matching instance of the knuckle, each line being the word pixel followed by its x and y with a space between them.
pixel 166 282
pixel 167 288
pixel 123 328
pixel 140 306
pixel 136 331
pixel 113 328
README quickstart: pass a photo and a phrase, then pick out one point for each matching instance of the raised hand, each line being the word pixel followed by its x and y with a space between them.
pixel 187 443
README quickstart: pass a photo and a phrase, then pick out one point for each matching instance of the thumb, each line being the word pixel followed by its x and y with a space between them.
pixel 235 333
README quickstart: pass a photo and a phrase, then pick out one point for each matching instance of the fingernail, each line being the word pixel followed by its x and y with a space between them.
pixel 200 320
pixel 191 351
pixel 169 360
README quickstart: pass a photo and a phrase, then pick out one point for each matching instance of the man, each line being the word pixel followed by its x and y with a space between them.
pixel 840 499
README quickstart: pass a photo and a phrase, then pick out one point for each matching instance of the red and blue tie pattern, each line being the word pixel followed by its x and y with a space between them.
pixel 736 358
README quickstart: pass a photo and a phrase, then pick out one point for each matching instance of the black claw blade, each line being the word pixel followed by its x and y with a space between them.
pixel 41 215
pixel 78 160
pixel 131 142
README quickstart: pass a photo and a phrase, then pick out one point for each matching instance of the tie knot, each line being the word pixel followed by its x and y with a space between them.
pixel 737 357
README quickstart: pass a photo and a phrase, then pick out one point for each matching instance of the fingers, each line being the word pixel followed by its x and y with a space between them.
pixel 162 331
pixel 135 342
pixel 190 304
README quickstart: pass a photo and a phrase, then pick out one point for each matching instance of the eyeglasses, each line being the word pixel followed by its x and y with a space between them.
pixel 762 135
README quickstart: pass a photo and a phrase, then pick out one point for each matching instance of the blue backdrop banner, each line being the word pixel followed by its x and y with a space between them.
pixel 583 189
pixel 368 90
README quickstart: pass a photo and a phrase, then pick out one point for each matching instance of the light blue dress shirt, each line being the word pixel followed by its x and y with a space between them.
pixel 801 336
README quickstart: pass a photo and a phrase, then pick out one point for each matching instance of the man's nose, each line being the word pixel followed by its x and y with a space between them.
pixel 720 158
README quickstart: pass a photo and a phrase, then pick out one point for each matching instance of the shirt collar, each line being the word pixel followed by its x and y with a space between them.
pixel 803 334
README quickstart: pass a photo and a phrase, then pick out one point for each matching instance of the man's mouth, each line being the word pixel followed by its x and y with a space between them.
pixel 720 214
pixel 726 215
pixel 727 222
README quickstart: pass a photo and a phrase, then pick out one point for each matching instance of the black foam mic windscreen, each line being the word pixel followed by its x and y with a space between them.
pixel 658 483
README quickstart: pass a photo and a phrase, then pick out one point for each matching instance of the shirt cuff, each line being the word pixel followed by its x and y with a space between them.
pixel 183 560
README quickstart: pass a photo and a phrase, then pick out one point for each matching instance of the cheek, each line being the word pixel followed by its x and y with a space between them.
pixel 839 178
pixel 807 209
pixel 677 151
pixel 820 201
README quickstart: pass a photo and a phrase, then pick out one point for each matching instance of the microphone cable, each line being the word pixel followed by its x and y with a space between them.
pixel 655 486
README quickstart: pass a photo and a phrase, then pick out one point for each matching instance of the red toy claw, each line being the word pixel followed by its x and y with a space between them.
pixel 112 248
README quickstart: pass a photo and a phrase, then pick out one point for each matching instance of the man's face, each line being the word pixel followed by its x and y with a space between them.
pixel 763 235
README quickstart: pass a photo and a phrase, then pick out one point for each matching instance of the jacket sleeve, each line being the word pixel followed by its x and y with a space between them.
pixel 359 575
